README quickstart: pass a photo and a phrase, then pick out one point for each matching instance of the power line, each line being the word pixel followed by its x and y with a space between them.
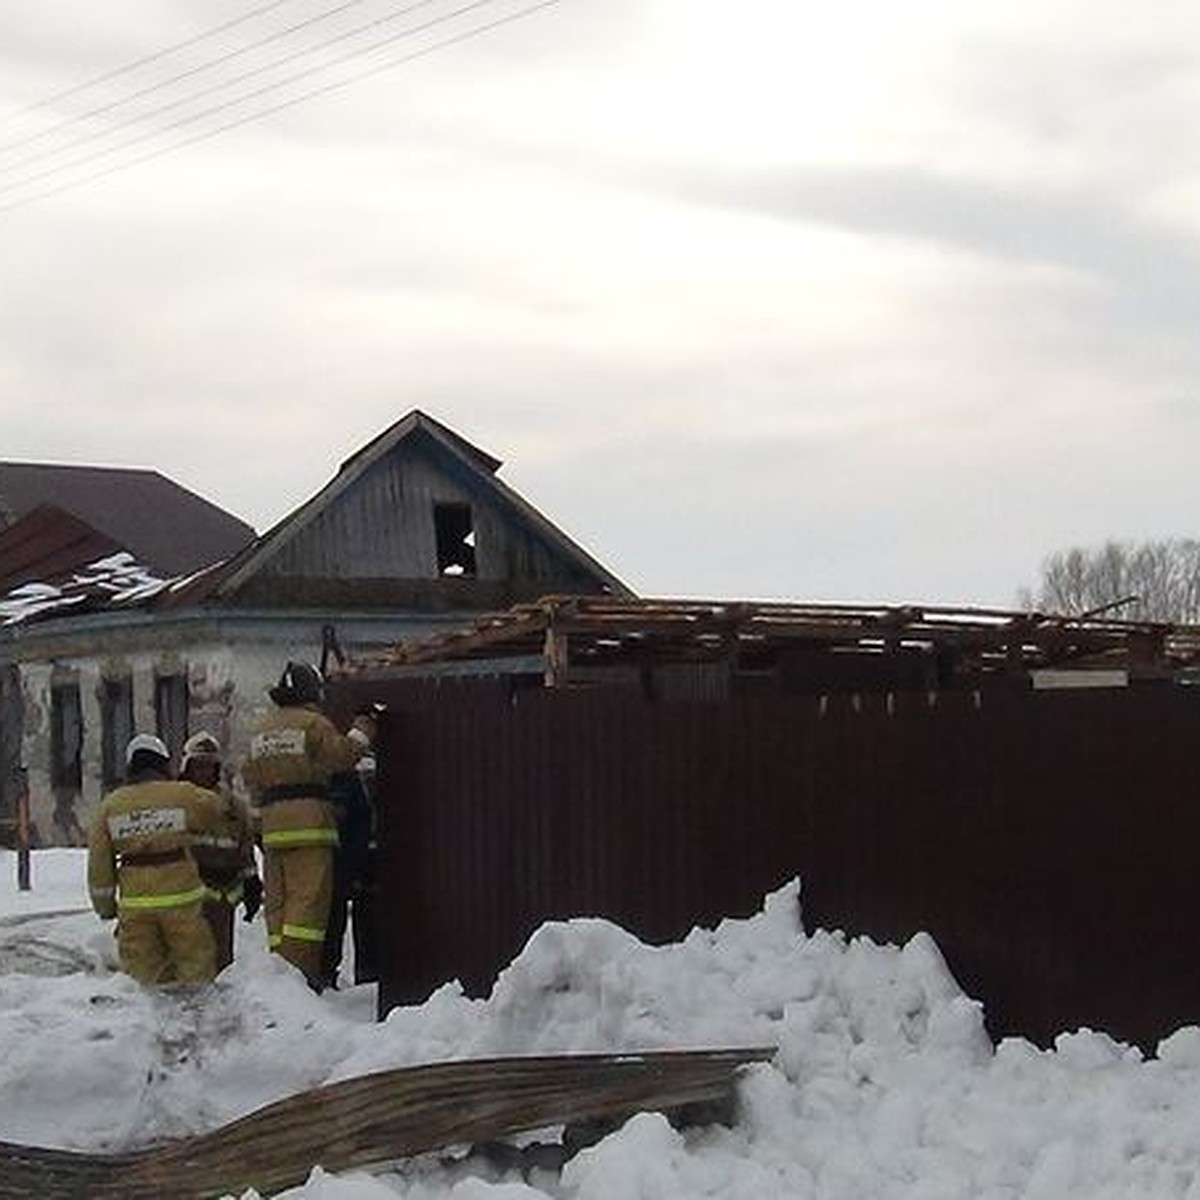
pixel 47 101
pixel 141 118
pixel 456 39
pixel 121 101
pixel 255 93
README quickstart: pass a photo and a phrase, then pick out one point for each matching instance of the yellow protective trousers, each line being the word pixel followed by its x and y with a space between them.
pixel 297 893
pixel 166 945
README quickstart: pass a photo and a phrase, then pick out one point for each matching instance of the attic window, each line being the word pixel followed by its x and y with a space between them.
pixel 455 532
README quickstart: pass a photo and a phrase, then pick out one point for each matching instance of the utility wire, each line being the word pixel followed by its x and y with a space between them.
pixel 142 118
pixel 212 110
pixel 456 39
pixel 150 135
pixel 121 101
pixel 47 101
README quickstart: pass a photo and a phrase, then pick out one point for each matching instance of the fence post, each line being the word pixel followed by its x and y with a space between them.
pixel 23 855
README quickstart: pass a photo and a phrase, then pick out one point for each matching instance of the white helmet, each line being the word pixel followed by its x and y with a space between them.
pixel 199 746
pixel 146 743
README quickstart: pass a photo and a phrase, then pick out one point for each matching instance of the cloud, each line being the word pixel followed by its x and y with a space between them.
pixel 870 303
pixel 1078 232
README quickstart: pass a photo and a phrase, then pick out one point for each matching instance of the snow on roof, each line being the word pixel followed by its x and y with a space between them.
pixel 114 580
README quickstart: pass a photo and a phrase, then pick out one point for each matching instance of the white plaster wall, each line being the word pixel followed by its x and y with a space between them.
pixel 36 680
pixel 35 745
pixel 241 675
pixel 215 678
pixel 227 678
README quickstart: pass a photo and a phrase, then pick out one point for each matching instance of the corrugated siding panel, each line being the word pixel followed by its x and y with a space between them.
pixel 1045 840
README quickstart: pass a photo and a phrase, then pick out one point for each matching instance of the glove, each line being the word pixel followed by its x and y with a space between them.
pixel 252 893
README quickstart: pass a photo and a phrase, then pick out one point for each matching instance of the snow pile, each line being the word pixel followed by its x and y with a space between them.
pixel 884 1084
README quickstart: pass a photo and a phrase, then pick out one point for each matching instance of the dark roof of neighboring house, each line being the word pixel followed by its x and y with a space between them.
pixel 169 529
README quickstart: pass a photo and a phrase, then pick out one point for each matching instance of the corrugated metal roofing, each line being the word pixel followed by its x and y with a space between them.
pixel 47 544
pixel 171 530
pixel 53 564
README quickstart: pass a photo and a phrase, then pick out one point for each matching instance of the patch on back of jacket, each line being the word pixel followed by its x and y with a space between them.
pixel 146 822
pixel 278 743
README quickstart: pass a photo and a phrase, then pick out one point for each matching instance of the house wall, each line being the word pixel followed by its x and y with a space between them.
pixel 61 816
pixel 229 666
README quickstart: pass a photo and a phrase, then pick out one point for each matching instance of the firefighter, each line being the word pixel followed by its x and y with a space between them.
pixel 226 860
pixel 141 869
pixel 292 755
pixel 352 794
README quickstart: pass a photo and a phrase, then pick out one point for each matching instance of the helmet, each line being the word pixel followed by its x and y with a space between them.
pixel 300 683
pixel 147 746
pixel 200 745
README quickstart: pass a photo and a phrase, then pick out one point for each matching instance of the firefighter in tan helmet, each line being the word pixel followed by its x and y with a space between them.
pixel 141 868
pixel 226 859
pixel 292 755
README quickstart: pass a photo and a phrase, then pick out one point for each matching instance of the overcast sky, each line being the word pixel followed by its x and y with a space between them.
pixel 858 302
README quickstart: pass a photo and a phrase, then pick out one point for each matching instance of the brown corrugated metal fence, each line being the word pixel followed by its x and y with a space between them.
pixel 1045 839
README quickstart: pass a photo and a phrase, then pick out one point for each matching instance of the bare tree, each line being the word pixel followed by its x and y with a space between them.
pixel 1142 581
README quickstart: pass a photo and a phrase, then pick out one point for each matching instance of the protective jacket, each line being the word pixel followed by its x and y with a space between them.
pixel 226 856
pixel 292 756
pixel 140 852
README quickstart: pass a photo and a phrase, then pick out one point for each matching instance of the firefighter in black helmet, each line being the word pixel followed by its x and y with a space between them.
pixel 292 756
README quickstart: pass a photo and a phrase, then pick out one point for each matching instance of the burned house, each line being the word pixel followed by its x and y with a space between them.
pixel 100 636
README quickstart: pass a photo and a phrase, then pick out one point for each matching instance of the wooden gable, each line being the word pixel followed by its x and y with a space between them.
pixel 416 519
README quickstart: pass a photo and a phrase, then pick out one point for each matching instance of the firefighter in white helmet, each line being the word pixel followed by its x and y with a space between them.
pixel 141 868
pixel 226 859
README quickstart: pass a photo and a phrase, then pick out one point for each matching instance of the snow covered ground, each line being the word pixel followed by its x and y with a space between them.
pixel 885 1086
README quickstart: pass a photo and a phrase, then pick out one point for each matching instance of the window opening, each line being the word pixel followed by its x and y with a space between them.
pixel 116 728
pixel 455 530
pixel 171 711
pixel 66 737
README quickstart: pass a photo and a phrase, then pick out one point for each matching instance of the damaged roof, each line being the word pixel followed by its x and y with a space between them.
pixel 71 559
pixel 53 564
pixel 607 631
